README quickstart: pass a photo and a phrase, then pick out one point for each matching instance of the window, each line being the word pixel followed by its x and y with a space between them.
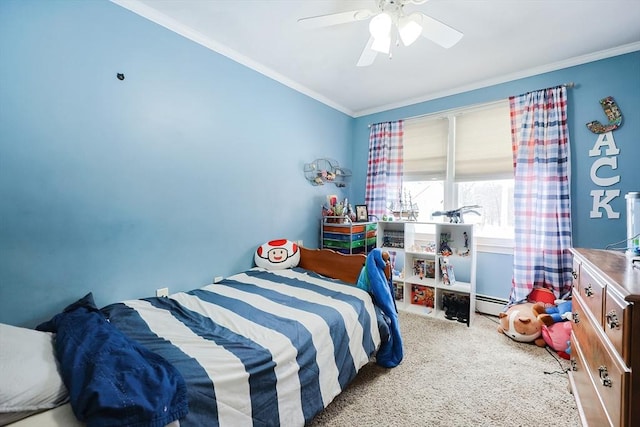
pixel 460 158
pixel 496 215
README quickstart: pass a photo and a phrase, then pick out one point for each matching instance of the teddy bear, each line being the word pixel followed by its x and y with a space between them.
pixel 523 322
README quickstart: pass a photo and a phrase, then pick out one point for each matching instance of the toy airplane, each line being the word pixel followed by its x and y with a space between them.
pixel 455 215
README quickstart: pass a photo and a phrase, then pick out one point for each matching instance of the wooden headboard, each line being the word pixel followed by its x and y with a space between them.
pixel 332 264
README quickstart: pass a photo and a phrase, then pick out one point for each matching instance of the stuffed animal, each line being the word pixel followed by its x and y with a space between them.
pixel 277 255
pixel 560 312
pixel 557 336
pixel 522 322
pixel 556 331
pixel 543 296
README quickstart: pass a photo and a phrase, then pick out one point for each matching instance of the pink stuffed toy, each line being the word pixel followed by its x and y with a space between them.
pixel 558 336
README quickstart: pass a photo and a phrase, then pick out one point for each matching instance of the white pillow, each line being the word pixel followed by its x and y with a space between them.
pixel 30 379
pixel 277 255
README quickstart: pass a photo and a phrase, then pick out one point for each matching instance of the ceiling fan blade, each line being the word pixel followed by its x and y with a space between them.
pixel 439 33
pixel 335 18
pixel 368 55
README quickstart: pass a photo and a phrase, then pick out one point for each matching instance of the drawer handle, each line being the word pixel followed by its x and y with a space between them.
pixel 588 291
pixel 576 318
pixel 574 274
pixel 612 320
pixel 604 376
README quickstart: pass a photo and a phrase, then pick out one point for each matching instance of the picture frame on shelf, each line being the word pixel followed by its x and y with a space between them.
pixel 430 269
pixel 448 277
pixel 419 268
pixel 362 214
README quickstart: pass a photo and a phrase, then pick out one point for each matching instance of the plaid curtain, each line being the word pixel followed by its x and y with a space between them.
pixel 384 169
pixel 542 193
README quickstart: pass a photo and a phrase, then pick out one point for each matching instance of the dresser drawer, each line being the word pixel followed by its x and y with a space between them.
pixel 606 334
pixel 576 273
pixel 592 292
pixel 592 412
pixel 617 324
pixel 610 378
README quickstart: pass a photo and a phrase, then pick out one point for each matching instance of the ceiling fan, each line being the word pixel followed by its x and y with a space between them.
pixel 389 21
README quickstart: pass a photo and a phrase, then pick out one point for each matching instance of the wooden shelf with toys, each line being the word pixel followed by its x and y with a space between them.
pixel 434 267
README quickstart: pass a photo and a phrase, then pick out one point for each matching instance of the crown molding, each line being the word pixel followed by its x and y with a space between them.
pixel 154 15
pixel 177 27
pixel 571 62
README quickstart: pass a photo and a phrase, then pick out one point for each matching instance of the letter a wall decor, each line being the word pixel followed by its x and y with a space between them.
pixel 612 111
pixel 603 197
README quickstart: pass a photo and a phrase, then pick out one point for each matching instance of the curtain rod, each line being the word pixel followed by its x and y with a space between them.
pixel 568 85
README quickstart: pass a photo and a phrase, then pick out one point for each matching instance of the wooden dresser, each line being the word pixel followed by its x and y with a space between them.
pixel 605 339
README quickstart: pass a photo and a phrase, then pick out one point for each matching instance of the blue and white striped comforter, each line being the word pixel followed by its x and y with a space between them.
pixel 260 348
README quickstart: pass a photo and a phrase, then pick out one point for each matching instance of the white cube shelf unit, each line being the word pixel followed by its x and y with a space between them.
pixel 434 267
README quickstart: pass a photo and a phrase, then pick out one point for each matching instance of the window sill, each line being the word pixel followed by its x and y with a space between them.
pixel 495 245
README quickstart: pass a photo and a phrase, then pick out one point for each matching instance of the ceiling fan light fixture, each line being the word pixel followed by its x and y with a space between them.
pixel 390 15
pixel 380 26
pixel 409 28
pixel 381 44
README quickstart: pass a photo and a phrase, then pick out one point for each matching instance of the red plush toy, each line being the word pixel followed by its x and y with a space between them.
pixel 542 296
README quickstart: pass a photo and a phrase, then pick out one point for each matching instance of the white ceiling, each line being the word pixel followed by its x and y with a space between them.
pixel 503 40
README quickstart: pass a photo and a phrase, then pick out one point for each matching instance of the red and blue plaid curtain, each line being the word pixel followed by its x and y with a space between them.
pixel 384 170
pixel 542 193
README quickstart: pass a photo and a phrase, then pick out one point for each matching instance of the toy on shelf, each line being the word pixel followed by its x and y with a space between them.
pixel 455 215
pixel 403 209
pixel 444 248
pixel 448 278
pixel 466 250
pixel 338 211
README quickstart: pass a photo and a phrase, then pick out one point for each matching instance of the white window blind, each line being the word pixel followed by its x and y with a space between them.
pixel 425 148
pixel 483 143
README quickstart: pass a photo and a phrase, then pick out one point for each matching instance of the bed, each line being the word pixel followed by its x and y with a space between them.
pixel 262 347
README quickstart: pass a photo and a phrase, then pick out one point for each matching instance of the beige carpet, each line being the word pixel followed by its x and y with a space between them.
pixel 456 376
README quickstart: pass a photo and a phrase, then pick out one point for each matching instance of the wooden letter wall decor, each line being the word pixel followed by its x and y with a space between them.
pixel 613 113
pixel 602 198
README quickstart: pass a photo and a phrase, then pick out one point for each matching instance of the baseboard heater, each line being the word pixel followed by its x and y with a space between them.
pixel 490 305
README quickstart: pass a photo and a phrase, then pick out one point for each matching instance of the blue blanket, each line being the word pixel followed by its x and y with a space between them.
pixel 112 380
pixel 373 280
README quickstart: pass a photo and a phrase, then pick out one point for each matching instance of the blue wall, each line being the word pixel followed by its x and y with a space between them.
pixel 175 175
pixel 618 77
pixel 168 178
